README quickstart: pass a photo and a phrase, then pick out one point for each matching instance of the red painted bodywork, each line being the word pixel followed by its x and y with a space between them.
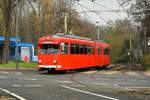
pixel 73 61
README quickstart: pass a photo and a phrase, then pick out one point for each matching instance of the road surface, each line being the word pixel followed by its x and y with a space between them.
pixel 88 85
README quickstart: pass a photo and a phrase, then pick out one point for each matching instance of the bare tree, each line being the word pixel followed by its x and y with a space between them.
pixel 140 12
pixel 7 7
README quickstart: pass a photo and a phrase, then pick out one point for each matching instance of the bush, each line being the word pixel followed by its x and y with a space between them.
pixel 122 59
pixel 146 62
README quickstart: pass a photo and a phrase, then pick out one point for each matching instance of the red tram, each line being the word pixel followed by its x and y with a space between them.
pixel 66 52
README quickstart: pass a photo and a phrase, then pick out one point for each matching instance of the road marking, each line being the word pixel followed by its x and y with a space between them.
pixel 89 93
pixel 28 79
pixel 64 81
pixel 116 85
pixel 36 75
pixel 27 85
pixel 78 85
pixel 13 94
pixel 4 72
pixel 17 85
pixel 104 84
pixel 2 77
pixel 33 86
pixel 18 73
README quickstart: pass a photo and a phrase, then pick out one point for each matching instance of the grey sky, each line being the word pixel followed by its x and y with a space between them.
pixel 98 6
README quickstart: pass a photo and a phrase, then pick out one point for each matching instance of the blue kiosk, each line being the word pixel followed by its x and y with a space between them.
pixel 25 50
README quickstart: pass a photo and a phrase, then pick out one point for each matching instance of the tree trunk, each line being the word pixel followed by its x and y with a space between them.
pixel 7 20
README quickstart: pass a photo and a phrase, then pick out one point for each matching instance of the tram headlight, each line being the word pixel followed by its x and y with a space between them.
pixel 54 61
pixel 48 37
pixel 40 60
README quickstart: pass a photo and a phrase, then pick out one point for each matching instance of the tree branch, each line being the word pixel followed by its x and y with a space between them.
pixel 14 3
pixel 30 3
pixel 1 6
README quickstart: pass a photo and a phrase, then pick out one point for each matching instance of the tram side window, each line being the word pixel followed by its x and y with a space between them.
pixel 106 51
pixel 90 50
pixel 85 49
pixel 81 49
pixel 64 48
pixel 74 49
pixel 99 50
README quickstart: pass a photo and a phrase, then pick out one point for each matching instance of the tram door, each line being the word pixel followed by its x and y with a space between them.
pixel 99 56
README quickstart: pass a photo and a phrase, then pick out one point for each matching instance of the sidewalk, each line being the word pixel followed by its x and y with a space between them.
pixel 130 73
pixel 23 69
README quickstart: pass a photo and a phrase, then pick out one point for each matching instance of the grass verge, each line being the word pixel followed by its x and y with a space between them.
pixel 23 65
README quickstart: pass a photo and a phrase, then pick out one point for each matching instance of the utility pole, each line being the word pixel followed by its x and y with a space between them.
pixel 70 9
pixel 65 23
pixel 39 11
pixel 17 23
pixel 98 31
pixel 145 40
pixel 130 47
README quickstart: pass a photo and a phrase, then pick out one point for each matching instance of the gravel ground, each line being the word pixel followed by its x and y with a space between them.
pixel 127 67
pixel 142 94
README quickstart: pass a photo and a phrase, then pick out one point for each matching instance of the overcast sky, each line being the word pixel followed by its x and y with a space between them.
pixel 98 6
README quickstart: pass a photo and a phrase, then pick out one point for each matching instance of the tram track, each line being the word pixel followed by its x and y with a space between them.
pixel 125 73
pixel 92 76
pixel 105 90
pixel 73 78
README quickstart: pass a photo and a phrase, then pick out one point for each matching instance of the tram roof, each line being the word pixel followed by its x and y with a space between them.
pixel 74 37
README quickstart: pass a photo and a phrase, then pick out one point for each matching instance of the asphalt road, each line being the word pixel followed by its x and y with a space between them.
pixel 88 85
